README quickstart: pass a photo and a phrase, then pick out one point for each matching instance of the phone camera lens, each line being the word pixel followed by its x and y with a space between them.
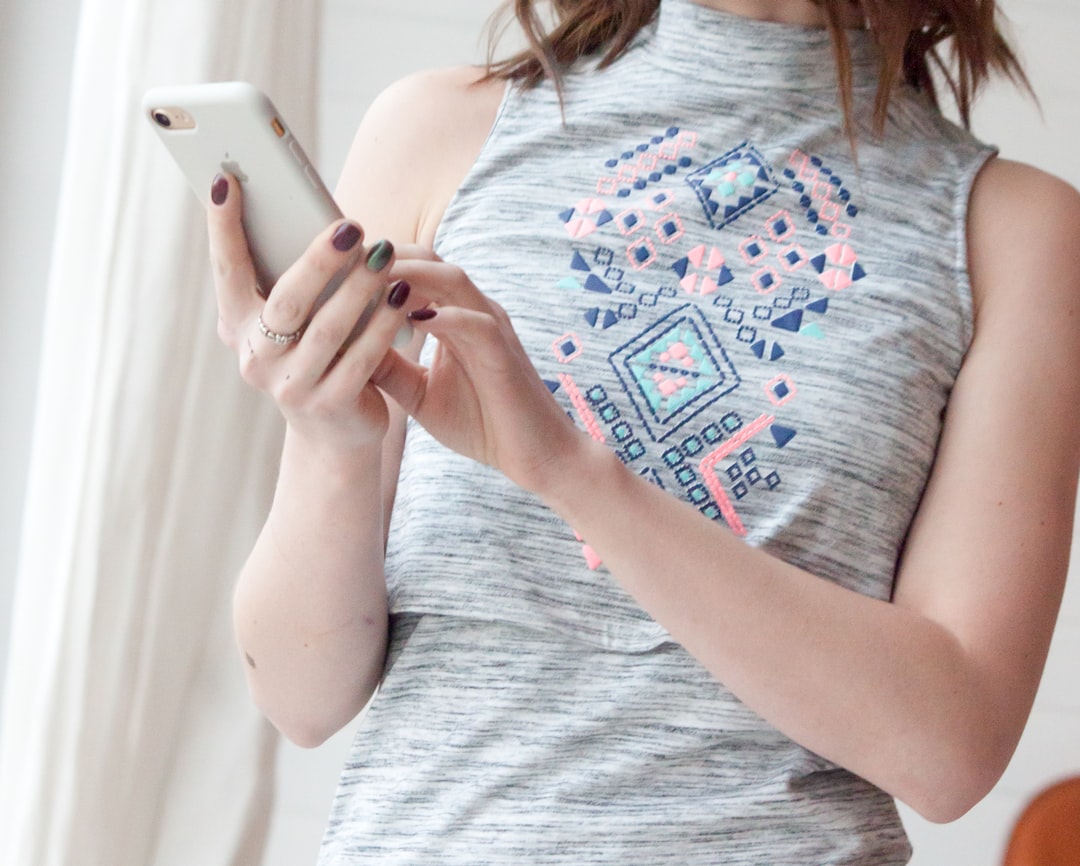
pixel 162 119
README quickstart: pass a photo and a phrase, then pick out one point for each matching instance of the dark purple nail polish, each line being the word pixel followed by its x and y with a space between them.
pixel 219 189
pixel 346 237
pixel 425 314
pixel 398 294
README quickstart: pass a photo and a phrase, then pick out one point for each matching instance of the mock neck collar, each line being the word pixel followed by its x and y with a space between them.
pixel 724 48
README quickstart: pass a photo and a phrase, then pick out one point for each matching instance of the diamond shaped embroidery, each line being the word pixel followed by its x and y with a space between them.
pixel 730 186
pixel 674 370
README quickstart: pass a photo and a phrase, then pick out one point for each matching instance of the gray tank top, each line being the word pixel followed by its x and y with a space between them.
pixel 754 319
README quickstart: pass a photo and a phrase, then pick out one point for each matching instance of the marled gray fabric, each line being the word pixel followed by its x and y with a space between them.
pixel 708 282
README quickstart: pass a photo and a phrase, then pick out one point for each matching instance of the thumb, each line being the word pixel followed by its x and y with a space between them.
pixel 402 380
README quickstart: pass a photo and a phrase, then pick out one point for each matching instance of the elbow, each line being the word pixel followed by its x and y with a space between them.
pixel 306 736
pixel 312 720
pixel 952 788
pixel 944 806
pixel 310 730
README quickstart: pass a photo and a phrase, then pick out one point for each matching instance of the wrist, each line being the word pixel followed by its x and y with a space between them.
pixel 328 463
pixel 587 467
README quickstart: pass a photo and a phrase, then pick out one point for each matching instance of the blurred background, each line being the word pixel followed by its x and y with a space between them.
pixel 366 44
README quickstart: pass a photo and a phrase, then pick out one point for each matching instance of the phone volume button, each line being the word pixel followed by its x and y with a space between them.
pixel 312 177
pixel 294 149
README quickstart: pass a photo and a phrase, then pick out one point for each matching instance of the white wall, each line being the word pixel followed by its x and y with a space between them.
pixel 369 43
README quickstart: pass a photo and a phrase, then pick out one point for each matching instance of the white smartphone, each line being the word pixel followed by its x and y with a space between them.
pixel 233 127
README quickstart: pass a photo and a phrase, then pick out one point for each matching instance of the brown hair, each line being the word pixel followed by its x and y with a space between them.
pixel 911 33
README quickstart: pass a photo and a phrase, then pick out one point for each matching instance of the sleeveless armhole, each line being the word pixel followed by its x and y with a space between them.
pixel 451 205
pixel 962 214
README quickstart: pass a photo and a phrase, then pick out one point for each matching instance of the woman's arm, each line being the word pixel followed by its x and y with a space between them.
pixel 925 696
pixel 310 610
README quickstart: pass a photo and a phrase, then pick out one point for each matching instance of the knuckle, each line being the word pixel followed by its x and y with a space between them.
pixel 228 271
pixel 354 368
pixel 283 308
pixel 227 333
pixel 251 370
pixel 495 324
pixel 286 393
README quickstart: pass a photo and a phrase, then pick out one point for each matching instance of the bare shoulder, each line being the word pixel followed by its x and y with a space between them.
pixel 1024 226
pixel 413 148
pixel 1024 261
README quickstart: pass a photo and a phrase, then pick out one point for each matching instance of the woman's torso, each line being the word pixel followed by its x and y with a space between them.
pixel 709 282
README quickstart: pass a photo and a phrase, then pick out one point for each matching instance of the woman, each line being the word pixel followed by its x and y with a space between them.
pixel 737 493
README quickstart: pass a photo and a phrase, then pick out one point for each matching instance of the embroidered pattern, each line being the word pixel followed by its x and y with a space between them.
pixel 732 185
pixel 673 370
pixel 712 481
pixel 697 331
pixel 822 194
pixel 647 163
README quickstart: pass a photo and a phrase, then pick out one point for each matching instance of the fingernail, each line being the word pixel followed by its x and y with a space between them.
pixel 219 189
pixel 423 315
pixel 398 294
pixel 346 237
pixel 379 255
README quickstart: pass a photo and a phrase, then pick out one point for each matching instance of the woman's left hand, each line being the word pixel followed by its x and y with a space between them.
pixel 481 396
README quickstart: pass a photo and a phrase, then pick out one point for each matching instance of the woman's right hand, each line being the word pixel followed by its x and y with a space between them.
pixel 320 380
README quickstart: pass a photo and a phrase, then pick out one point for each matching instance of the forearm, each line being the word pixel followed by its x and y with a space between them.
pixel 880 690
pixel 310 605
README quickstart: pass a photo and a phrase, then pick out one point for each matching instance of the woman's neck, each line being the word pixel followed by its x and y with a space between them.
pixel 803 12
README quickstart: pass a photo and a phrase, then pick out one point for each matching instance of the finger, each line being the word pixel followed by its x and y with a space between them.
pixel 481 342
pixel 314 277
pixel 441 283
pixel 234 271
pixel 402 380
pixel 381 328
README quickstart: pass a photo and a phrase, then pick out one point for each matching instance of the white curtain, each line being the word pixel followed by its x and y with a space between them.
pixel 127 737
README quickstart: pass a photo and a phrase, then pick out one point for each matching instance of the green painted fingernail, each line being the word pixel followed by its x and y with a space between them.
pixel 379 255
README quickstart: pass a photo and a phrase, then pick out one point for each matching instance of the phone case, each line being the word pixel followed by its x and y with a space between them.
pixel 234 127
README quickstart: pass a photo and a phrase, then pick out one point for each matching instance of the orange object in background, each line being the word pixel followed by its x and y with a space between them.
pixel 1047 833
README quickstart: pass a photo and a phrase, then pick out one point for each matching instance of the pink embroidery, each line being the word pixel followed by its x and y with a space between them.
pixel 669 228
pixel 780 226
pixel 766 281
pixel 753 250
pixel 583 221
pixel 780 390
pixel 839 268
pixel 567 348
pixel 607 186
pixel 712 482
pixel 629 221
pixel 641 253
pixel 792 258
pixel 804 168
pixel 830 211
pixel 647 162
pixel 703 284
pixel 581 406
